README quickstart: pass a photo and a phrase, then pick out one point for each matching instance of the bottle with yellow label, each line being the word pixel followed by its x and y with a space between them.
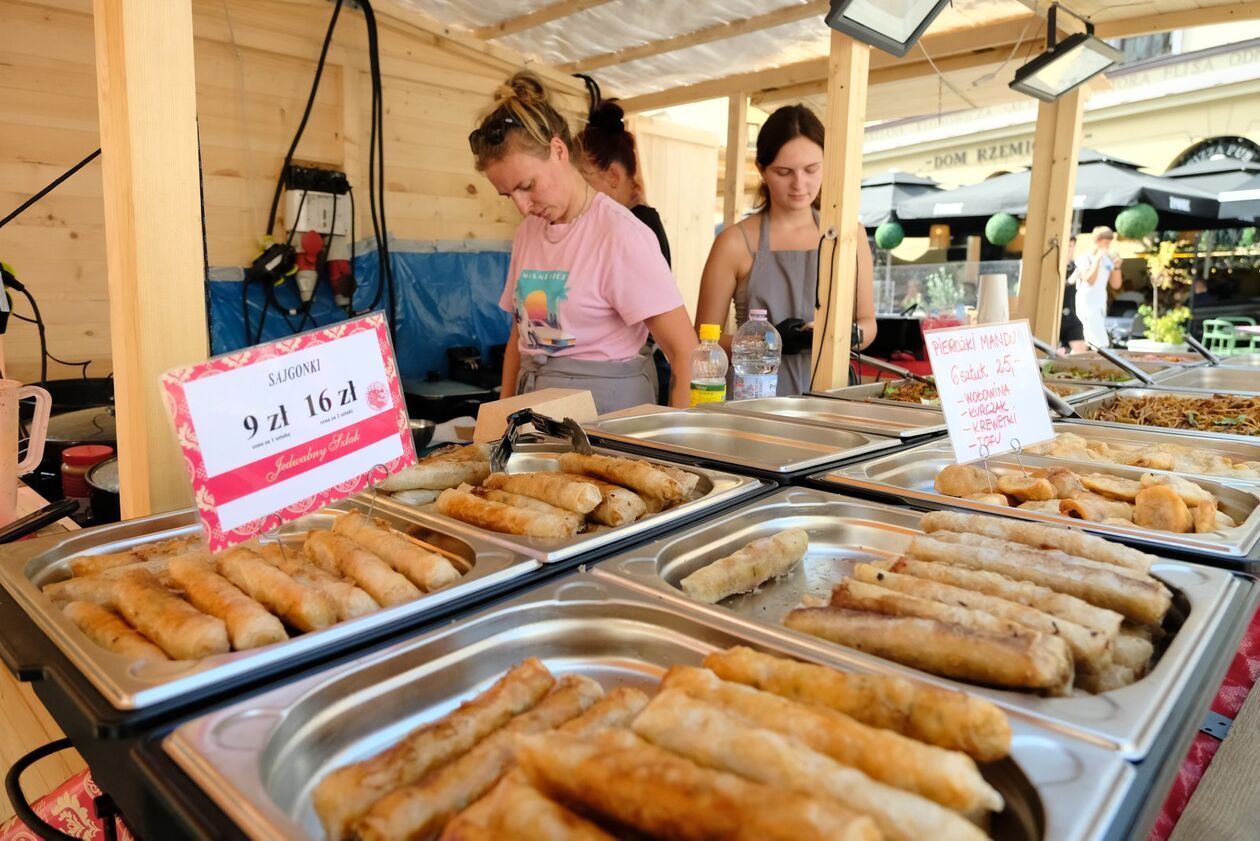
pixel 708 367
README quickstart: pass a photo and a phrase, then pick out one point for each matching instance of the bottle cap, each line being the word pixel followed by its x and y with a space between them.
pixel 86 455
pixel 710 332
pixel 758 315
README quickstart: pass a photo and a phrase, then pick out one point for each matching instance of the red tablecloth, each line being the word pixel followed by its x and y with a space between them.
pixel 1242 675
pixel 67 808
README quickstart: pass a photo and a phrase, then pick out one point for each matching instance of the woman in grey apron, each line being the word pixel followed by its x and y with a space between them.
pixel 778 272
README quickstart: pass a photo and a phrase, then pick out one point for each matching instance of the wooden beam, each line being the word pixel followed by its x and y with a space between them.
pixel 707 35
pixel 849 68
pixel 1056 147
pixel 790 74
pixel 147 98
pixel 736 155
pixel 546 14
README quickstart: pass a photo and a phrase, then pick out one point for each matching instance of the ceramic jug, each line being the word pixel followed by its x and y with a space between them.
pixel 12 391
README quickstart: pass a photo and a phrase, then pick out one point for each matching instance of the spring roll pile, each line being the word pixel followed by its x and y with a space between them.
pixel 585 492
pixel 1005 603
pixel 751 746
pixel 1155 501
pixel 174 600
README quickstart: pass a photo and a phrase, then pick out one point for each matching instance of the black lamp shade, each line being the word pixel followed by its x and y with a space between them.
pixel 1071 62
pixel 890 25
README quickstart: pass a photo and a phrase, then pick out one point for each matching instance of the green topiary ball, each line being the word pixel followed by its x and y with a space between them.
pixel 1137 221
pixel 889 235
pixel 1001 229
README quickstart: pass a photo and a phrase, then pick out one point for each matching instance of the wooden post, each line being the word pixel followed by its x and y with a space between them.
pixel 156 261
pixel 1056 147
pixel 736 157
pixel 842 178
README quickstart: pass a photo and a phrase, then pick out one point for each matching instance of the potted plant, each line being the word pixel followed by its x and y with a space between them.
pixel 942 297
pixel 1164 333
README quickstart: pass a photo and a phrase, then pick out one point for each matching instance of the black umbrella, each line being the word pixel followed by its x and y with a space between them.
pixel 1243 202
pixel 884 192
pixel 1216 175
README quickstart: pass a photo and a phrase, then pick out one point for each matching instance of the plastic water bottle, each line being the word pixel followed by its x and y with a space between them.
pixel 708 367
pixel 755 353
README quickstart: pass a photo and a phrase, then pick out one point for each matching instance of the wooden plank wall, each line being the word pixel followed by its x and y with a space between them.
pixel 254 63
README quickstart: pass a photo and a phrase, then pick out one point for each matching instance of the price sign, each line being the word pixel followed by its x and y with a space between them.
pixel 275 431
pixel 990 388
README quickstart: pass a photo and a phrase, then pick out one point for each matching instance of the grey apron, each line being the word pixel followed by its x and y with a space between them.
pixel 614 385
pixel 782 284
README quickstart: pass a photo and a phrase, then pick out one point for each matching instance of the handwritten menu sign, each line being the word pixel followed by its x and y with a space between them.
pixel 278 430
pixel 990 388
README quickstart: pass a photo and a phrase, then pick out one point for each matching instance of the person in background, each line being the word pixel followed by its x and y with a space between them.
pixel 1095 272
pixel 1071 335
pixel 610 164
pixel 770 259
pixel 586 283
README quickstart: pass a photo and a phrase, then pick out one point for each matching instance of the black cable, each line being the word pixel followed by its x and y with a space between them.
pixel 17 799
pixel 353 283
pixel 830 291
pixel 377 162
pixel 56 182
pixel 44 355
pixel 306 114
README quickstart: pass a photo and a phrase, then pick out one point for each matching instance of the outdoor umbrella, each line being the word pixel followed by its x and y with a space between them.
pixel 1219 175
pixel 884 192
pixel 1242 202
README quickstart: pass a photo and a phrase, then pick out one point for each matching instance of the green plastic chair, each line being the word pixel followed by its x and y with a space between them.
pixel 1244 343
pixel 1220 337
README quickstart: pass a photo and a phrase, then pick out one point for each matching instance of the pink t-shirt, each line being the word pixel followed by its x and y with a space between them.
pixel 584 289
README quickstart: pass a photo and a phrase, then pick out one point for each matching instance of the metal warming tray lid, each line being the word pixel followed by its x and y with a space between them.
pixel 883 418
pixel 764 445
pixel 1073 392
pixel 1091 408
pixel 1052 371
pixel 716 490
pixel 1221 380
pixel 1211 605
pixel 910 475
pixel 129 684
pixel 260 760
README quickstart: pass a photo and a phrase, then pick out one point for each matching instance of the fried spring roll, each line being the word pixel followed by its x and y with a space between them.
pixel 1142 601
pixel 345 795
pixel 941 717
pixel 1133 651
pixel 302 607
pixel 95 589
pixel 946 777
pixel 620 506
pixel 574 520
pixel 616 710
pixel 85 565
pixel 420 811
pixel 108 630
pixel 553 488
pixel 1056 554
pixel 748 568
pixel 496 516
pixel 1089 647
pixel 427 570
pixel 436 475
pixel 177 627
pixel 642 477
pixel 708 736
pixel 1040 536
pixel 349 600
pixel 249 625
pixel 344 557
pixel 689 481
pixel 620 776
pixel 1113 677
pixel 516 811
pixel 416 498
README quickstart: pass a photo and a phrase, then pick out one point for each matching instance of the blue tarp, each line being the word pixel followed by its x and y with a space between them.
pixel 445 299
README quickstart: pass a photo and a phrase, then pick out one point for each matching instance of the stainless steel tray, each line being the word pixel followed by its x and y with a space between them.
pixel 1158 371
pixel 870 393
pixel 1089 410
pixel 1221 380
pixel 1241 448
pixel 1185 360
pixel 128 684
pixel 882 418
pixel 844 532
pixel 1246 360
pixel 768 445
pixel 910 475
pixel 259 760
pixel 716 489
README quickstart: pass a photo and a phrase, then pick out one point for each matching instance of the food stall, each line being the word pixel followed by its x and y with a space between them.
pixel 545 628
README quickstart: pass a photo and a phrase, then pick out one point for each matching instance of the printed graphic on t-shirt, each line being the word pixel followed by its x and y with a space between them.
pixel 538 297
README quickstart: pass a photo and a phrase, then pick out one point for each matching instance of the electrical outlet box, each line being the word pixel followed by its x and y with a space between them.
pixel 306 210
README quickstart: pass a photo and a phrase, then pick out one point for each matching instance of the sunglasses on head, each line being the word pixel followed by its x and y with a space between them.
pixel 491 134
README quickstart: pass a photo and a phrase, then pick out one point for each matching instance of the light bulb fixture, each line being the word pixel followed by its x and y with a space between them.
pixel 1065 64
pixel 890 25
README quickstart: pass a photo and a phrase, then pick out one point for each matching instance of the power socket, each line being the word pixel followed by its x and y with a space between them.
pixel 316 212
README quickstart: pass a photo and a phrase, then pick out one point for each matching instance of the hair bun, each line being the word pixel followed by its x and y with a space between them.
pixel 609 116
pixel 524 87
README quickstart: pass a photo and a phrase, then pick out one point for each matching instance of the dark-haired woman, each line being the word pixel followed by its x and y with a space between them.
pixel 611 165
pixel 585 284
pixel 770 259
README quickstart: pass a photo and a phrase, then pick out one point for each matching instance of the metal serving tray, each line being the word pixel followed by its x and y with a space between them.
pixel 910 476
pixel 883 418
pixel 843 532
pixel 1184 360
pixel 1219 380
pixel 128 684
pixel 260 760
pixel 870 393
pixel 716 489
pixel 1090 409
pixel 1241 448
pixel 771 446
pixel 1157 371
pixel 1245 360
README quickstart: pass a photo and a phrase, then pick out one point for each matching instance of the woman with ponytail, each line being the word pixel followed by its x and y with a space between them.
pixel 586 283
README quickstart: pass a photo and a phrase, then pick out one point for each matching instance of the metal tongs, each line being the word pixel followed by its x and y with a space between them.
pixel 568 429
pixel 1198 348
pixel 1045 348
pixel 1124 365
pixel 1060 406
pixel 895 370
